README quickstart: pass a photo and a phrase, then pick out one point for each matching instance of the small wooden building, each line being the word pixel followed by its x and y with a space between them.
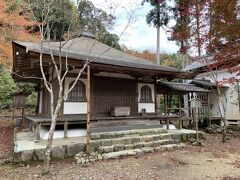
pixel 117 79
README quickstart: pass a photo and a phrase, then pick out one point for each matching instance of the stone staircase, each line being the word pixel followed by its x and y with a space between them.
pixel 109 144
pixel 135 142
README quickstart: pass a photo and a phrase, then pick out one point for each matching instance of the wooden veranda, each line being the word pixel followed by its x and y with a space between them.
pixel 37 121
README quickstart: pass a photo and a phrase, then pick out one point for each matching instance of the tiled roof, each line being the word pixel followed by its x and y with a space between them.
pixel 180 87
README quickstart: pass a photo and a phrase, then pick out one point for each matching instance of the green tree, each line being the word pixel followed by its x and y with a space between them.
pixel 59 19
pixel 158 16
pixel 97 22
pixel 6 88
pixel 171 60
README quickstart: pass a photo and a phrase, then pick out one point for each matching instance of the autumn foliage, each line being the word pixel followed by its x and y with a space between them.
pixel 14 25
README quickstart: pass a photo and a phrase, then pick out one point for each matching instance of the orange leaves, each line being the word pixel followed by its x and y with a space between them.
pixel 12 27
pixel 5 53
pixel 148 55
pixel 12 18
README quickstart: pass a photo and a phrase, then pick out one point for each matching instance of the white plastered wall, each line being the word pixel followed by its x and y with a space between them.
pixel 150 107
pixel 232 106
pixel 73 107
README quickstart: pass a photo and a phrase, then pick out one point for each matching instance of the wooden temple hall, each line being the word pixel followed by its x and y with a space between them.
pixel 124 89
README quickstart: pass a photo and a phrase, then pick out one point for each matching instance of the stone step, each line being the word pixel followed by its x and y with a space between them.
pixel 133 139
pixel 137 145
pixel 127 133
pixel 132 152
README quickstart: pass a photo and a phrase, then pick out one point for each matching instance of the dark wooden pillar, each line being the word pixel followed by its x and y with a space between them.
pixel 165 104
pixel 88 109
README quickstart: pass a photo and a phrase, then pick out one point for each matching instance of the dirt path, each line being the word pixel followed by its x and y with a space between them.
pixel 214 161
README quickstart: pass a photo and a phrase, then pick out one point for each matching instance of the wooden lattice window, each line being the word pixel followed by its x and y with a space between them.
pixel 78 94
pixel 146 95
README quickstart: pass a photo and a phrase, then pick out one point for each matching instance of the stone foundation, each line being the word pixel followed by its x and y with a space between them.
pixel 114 143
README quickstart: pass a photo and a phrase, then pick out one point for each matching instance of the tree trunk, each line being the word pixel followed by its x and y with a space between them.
pixel 198 29
pixel 223 115
pixel 48 151
pixel 224 138
pixel 158 45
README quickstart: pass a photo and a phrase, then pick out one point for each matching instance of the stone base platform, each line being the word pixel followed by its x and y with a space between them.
pixel 109 144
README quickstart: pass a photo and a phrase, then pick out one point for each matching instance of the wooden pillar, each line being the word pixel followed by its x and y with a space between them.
pixel 179 104
pixel 88 109
pixel 180 124
pixel 196 122
pixel 23 117
pixel 208 109
pixel 38 130
pixel 189 109
pixel 168 123
pixel 165 104
pixel 65 129
pixel 13 114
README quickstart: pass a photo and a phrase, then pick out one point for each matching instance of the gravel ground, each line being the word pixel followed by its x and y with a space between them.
pixel 214 161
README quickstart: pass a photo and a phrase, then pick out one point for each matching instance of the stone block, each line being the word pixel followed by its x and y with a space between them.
pixel 119 135
pixel 119 147
pixel 118 141
pixel 108 149
pixel 148 144
pixel 139 145
pixel 40 153
pixel 95 136
pixel 127 141
pixel 156 131
pixel 27 155
pixel 122 153
pixel 131 153
pixel 112 155
pixel 160 149
pixel 176 136
pixel 107 156
pixel 17 157
pixel 156 137
pixel 129 146
pixel 184 137
pixel 147 149
pixel 139 131
pixel 126 133
pixel 58 152
pixel 162 131
pixel 135 140
pixel 157 143
pixel 167 141
pixel 106 142
pixel 100 149
pixel 73 149
pixel 94 145
pixel 109 135
pixel 139 152
pixel 170 146
pixel 166 136
pixel 147 139
pixel 133 132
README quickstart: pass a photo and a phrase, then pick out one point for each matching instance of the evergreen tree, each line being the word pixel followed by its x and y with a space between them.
pixel 158 16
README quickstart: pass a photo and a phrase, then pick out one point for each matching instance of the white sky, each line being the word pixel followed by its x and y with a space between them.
pixel 139 36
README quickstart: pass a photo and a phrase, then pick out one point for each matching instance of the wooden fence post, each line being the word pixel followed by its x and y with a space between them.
pixel 196 122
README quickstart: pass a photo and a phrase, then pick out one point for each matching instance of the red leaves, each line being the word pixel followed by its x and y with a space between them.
pixel 12 27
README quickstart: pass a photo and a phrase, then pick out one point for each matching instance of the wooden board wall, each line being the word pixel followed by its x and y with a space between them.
pixel 111 92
